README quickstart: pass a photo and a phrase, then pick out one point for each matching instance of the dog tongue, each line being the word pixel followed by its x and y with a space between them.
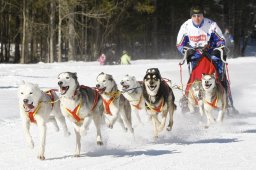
pixel 28 107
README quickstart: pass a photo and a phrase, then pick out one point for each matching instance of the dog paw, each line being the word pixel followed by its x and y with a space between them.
pixel 169 128
pixel 76 155
pixel 100 143
pixel 41 157
pixel 110 125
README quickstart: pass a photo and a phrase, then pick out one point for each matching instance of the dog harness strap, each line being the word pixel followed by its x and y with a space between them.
pixel 50 94
pixel 31 115
pixel 213 103
pixel 156 109
pixel 107 103
pixel 138 104
pixel 193 96
pixel 75 112
pixel 95 101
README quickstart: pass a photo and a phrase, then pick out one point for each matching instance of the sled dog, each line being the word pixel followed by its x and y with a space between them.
pixel 80 104
pixel 132 91
pixel 39 107
pixel 117 107
pixel 195 97
pixel 159 98
pixel 214 98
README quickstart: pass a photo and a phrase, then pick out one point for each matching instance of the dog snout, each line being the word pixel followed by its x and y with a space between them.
pixel 122 82
pixel 25 100
pixel 151 83
pixel 97 85
pixel 60 83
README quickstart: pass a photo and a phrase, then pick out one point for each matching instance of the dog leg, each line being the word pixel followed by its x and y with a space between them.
pixel 53 121
pixel 97 123
pixel 62 121
pixel 85 125
pixel 210 118
pixel 162 125
pixel 220 116
pixel 171 111
pixel 201 110
pixel 78 141
pixel 111 122
pixel 121 122
pixel 191 107
pixel 42 137
pixel 137 115
pixel 154 122
pixel 29 140
pixel 127 123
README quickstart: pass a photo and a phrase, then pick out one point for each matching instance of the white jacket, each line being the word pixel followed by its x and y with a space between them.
pixel 207 33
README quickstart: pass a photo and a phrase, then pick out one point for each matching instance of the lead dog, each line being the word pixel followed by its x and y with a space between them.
pixel 195 97
pixel 132 91
pixel 214 98
pixel 159 98
pixel 115 104
pixel 39 107
pixel 80 104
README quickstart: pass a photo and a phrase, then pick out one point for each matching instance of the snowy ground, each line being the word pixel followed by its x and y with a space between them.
pixel 228 146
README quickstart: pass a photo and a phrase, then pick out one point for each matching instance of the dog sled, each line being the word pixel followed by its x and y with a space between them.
pixel 205 65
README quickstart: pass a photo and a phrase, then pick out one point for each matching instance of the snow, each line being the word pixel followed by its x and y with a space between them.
pixel 225 146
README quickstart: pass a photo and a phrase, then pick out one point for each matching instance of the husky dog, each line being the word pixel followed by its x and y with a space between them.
pixel 195 96
pixel 116 106
pixel 214 97
pixel 132 91
pixel 39 107
pixel 80 104
pixel 158 97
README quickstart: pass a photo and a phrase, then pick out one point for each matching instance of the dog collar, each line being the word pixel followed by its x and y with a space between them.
pixel 31 115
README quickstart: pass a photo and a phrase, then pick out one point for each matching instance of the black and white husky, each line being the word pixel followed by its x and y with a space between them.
pixel 38 107
pixel 159 98
pixel 117 107
pixel 80 104
pixel 214 98
pixel 132 91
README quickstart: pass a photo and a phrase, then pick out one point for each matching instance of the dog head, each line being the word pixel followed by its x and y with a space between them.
pixel 68 83
pixel 208 81
pixel 29 96
pixel 128 83
pixel 196 89
pixel 152 81
pixel 105 83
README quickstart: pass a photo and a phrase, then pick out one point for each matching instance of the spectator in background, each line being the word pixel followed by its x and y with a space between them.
pixel 102 59
pixel 229 40
pixel 125 58
pixel 110 56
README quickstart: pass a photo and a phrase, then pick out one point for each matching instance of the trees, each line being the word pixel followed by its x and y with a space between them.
pixel 61 30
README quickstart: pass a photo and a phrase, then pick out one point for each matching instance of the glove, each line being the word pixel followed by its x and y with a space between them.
pixel 190 53
pixel 205 50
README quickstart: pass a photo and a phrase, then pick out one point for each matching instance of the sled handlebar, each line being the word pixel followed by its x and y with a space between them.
pixel 220 49
pixel 184 56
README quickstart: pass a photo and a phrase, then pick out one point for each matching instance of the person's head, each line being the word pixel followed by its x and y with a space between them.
pixel 124 52
pixel 197 14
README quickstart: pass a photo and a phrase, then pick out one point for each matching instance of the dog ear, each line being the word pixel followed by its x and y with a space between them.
pixel 22 82
pixel 134 78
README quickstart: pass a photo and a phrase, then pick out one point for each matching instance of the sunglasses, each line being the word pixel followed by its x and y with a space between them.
pixel 197 15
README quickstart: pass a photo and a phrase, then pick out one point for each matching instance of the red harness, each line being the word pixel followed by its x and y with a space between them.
pixel 138 104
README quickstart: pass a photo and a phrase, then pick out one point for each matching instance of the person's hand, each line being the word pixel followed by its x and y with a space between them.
pixel 190 52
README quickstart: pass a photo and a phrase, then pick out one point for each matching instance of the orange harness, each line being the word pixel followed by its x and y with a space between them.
pixel 108 102
pixel 31 115
pixel 138 104
pixel 156 109
pixel 213 103
pixel 75 112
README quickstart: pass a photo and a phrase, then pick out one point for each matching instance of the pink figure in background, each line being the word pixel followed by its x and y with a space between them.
pixel 102 59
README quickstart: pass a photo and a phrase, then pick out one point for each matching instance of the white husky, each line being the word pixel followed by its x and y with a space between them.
pixel 80 104
pixel 115 104
pixel 132 91
pixel 39 107
pixel 214 97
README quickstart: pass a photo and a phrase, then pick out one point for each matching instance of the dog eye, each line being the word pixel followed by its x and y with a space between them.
pixel 104 81
pixel 21 93
pixel 67 77
pixel 31 93
pixel 58 77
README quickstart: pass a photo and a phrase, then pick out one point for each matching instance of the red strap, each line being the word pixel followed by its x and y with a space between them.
pixel 138 104
pixel 31 117
pixel 106 104
pixel 213 103
pixel 74 113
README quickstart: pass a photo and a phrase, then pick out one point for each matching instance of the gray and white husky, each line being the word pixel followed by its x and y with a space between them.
pixel 214 98
pixel 117 107
pixel 80 104
pixel 39 107
pixel 195 97
pixel 132 91
pixel 159 98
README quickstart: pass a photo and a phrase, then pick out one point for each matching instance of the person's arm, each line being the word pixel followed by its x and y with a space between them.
pixel 217 35
pixel 182 38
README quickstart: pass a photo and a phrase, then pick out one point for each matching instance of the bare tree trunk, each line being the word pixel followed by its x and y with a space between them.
pixel 71 37
pixel 22 60
pixel 59 33
pixel 52 28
